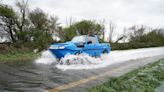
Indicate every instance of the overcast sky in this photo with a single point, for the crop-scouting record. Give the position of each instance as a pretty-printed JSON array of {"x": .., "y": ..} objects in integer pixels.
[{"x": 124, "y": 13}]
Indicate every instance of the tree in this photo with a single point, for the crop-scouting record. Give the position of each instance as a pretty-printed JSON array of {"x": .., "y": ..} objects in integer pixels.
[
  {"x": 111, "y": 30},
  {"x": 28, "y": 29},
  {"x": 38, "y": 19},
  {"x": 22, "y": 21},
  {"x": 136, "y": 32},
  {"x": 7, "y": 17},
  {"x": 87, "y": 26},
  {"x": 43, "y": 26},
  {"x": 53, "y": 25},
  {"x": 122, "y": 37},
  {"x": 83, "y": 27},
  {"x": 16, "y": 23},
  {"x": 41, "y": 21}
]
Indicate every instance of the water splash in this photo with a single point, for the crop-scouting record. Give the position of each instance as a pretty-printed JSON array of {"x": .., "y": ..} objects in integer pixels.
[
  {"x": 84, "y": 61},
  {"x": 108, "y": 59},
  {"x": 46, "y": 58}
]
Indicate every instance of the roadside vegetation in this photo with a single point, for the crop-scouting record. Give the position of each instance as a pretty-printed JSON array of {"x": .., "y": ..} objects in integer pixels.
[
  {"x": 145, "y": 79},
  {"x": 140, "y": 38},
  {"x": 18, "y": 56},
  {"x": 35, "y": 30},
  {"x": 11, "y": 53}
]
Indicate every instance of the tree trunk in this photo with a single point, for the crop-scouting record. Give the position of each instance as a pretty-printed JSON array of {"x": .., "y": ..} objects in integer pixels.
[{"x": 11, "y": 34}]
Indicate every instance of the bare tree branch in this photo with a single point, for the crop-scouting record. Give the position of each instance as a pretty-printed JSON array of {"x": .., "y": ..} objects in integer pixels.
[{"x": 111, "y": 30}]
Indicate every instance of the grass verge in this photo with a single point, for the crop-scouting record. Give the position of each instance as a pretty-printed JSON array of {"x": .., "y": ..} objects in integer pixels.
[
  {"x": 18, "y": 56},
  {"x": 145, "y": 79}
]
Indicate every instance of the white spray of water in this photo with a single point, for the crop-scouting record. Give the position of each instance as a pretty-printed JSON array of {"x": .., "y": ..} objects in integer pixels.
[
  {"x": 46, "y": 58},
  {"x": 83, "y": 61},
  {"x": 114, "y": 57}
]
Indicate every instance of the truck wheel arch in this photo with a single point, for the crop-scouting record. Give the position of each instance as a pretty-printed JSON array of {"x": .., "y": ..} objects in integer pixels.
[{"x": 105, "y": 51}]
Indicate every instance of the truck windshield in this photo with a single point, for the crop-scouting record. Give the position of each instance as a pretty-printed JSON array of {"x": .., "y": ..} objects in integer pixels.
[{"x": 79, "y": 39}]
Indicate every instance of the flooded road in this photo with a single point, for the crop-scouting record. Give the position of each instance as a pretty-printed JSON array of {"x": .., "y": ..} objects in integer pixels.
[
  {"x": 31, "y": 76},
  {"x": 27, "y": 76}
]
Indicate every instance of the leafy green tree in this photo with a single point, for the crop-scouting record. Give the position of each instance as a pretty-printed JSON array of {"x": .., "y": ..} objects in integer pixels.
[
  {"x": 22, "y": 22},
  {"x": 8, "y": 17},
  {"x": 40, "y": 40},
  {"x": 43, "y": 27},
  {"x": 136, "y": 33},
  {"x": 41, "y": 21},
  {"x": 27, "y": 28},
  {"x": 38, "y": 19},
  {"x": 69, "y": 32},
  {"x": 83, "y": 27},
  {"x": 155, "y": 37},
  {"x": 86, "y": 26},
  {"x": 15, "y": 23}
]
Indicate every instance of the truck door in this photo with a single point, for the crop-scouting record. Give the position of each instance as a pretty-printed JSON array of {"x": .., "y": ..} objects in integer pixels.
[{"x": 91, "y": 46}]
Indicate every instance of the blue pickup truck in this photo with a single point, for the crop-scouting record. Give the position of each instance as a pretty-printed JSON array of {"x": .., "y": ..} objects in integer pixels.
[{"x": 80, "y": 44}]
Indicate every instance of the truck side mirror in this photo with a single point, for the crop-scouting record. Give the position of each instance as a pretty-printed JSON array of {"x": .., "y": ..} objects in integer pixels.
[{"x": 89, "y": 42}]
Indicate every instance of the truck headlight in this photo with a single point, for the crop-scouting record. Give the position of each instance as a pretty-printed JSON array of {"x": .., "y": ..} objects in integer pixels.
[
  {"x": 61, "y": 47},
  {"x": 56, "y": 47},
  {"x": 53, "y": 47}
]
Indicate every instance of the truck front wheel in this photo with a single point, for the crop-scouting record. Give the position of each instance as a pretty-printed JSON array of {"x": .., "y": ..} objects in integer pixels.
[{"x": 105, "y": 51}]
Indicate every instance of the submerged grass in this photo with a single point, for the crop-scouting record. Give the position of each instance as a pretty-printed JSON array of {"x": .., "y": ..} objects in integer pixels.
[
  {"x": 145, "y": 79},
  {"x": 18, "y": 56}
]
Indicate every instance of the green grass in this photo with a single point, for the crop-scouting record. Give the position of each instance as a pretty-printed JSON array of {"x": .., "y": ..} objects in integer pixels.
[
  {"x": 145, "y": 79},
  {"x": 18, "y": 56}
]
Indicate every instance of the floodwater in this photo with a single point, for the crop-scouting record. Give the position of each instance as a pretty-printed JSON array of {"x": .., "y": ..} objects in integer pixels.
[{"x": 46, "y": 72}]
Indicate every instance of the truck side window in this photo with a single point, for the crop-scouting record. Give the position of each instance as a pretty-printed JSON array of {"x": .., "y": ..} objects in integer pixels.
[{"x": 92, "y": 40}]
